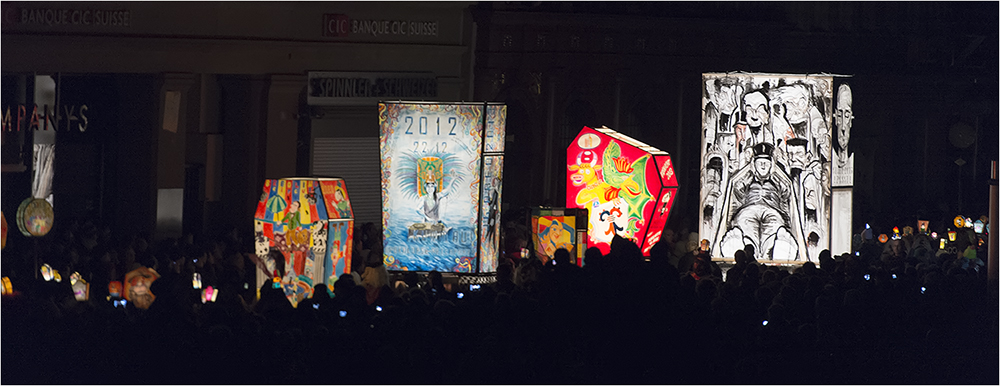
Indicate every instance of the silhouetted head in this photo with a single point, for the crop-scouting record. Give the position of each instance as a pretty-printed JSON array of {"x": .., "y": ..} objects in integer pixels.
[
  {"x": 592, "y": 255},
  {"x": 434, "y": 278},
  {"x": 740, "y": 256},
  {"x": 561, "y": 257},
  {"x": 320, "y": 291}
]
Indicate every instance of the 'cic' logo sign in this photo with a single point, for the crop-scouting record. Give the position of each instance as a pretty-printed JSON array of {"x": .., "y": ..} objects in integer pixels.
[{"x": 336, "y": 25}]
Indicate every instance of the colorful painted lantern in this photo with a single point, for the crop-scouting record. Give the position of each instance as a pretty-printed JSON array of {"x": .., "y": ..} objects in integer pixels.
[
  {"x": 627, "y": 186},
  {"x": 34, "y": 217},
  {"x": 883, "y": 238},
  {"x": 47, "y": 272},
  {"x": 923, "y": 225},
  {"x": 81, "y": 289},
  {"x": 137, "y": 283},
  {"x": 115, "y": 289},
  {"x": 310, "y": 221},
  {"x": 559, "y": 228},
  {"x": 978, "y": 226},
  {"x": 952, "y": 235},
  {"x": 8, "y": 289},
  {"x": 959, "y": 221},
  {"x": 442, "y": 178},
  {"x": 209, "y": 294}
]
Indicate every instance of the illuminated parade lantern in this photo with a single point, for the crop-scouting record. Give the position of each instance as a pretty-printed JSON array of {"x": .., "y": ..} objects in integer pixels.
[
  {"x": 627, "y": 187},
  {"x": 952, "y": 235},
  {"x": 442, "y": 175},
  {"x": 959, "y": 221},
  {"x": 34, "y": 217},
  {"x": 115, "y": 289},
  {"x": 311, "y": 223},
  {"x": 81, "y": 289},
  {"x": 137, "y": 287},
  {"x": 8, "y": 289},
  {"x": 559, "y": 228},
  {"x": 767, "y": 165}
]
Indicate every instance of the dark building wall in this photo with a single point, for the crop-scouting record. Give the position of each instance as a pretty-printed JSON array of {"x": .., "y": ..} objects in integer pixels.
[
  {"x": 241, "y": 71},
  {"x": 917, "y": 69}
]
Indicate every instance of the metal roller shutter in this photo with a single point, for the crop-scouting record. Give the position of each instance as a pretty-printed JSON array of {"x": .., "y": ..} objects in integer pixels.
[{"x": 356, "y": 160}]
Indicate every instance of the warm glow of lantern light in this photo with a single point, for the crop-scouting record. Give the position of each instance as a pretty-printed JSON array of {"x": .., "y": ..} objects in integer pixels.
[
  {"x": 8, "y": 289},
  {"x": 209, "y": 294},
  {"x": 968, "y": 222},
  {"x": 951, "y": 235},
  {"x": 942, "y": 244},
  {"x": 978, "y": 226},
  {"x": 627, "y": 187},
  {"x": 959, "y": 221},
  {"x": 196, "y": 280},
  {"x": 883, "y": 238},
  {"x": 934, "y": 235},
  {"x": 47, "y": 274},
  {"x": 895, "y": 230}
]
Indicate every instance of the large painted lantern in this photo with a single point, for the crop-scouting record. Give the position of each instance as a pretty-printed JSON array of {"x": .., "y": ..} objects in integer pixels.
[
  {"x": 766, "y": 165},
  {"x": 442, "y": 174},
  {"x": 626, "y": 186},
  {"x": 310, "y": 222},
  {"x": 559, "y": 228}
]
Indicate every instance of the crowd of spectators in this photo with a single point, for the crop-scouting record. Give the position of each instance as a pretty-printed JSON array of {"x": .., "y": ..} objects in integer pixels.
[{"x": 883, "y": 316}]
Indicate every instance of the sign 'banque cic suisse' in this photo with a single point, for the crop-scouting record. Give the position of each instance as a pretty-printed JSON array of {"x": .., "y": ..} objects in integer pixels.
[{"x": 341, "y": 25}]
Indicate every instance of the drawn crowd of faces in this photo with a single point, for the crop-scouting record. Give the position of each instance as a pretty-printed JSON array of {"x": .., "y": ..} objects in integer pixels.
[{"x": 740, "y": 111}]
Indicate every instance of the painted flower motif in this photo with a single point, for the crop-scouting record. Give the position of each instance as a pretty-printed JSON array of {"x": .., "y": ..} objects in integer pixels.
[{"x": 622, "y": 165}]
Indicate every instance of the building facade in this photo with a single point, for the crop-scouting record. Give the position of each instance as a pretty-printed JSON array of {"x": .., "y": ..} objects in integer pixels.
[
  {"x": 189, "y": 107},
  {"x": 916, "y": 69}
]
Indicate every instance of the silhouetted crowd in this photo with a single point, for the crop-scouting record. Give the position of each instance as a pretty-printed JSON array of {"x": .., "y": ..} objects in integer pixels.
[{"x": 884, "y": 316}]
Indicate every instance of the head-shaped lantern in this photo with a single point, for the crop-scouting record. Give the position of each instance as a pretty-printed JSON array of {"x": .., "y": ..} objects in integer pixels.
[
  {"x": 310, "y": 221},
  {"x": 137, "y": 287},
  {"x": 627, "y": 186}
]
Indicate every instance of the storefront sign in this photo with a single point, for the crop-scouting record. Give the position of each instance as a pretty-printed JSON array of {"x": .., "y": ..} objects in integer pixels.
[
  {"x": 329, "y": 88},
  {"x": 60, "y": 17},
  {"x": 45, "y": 118},
  {"x": 341, "y": 25}
]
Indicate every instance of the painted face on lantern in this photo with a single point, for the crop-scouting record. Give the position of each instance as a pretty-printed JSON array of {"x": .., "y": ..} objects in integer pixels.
[
  {"x": 755, "y": 106},
  {"x": 762, "y": 166},
  {"x": 844, "y": 115}
]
